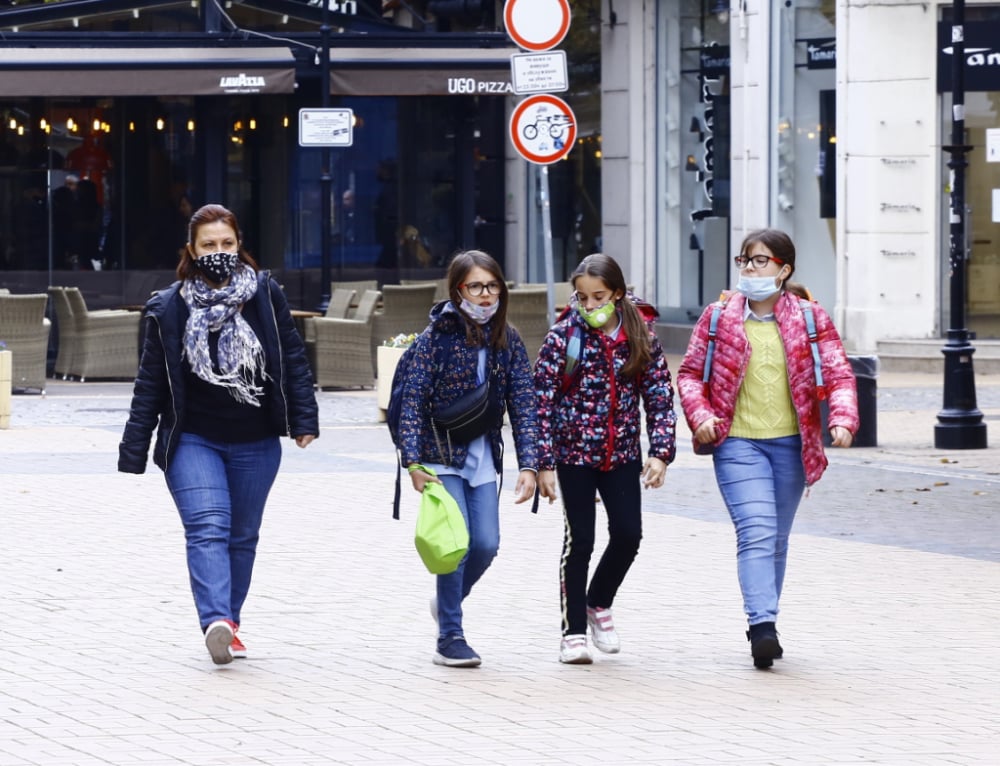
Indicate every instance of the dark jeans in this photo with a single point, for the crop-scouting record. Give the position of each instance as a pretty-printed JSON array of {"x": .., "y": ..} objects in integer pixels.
[{"x": 620, "y": 493}]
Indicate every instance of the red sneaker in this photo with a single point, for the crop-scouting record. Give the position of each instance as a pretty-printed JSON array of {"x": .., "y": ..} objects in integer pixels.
[{"x": 237, "y": 649}]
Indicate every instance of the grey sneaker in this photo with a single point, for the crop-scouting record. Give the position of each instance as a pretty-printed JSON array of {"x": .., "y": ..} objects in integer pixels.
[
  {"x": 218, "y": 637},
  {"x": 455, "y": 653}
]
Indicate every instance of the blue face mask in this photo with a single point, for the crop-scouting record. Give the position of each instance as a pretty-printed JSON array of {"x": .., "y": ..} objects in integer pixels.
[
  {"x": 757, "y": 288},
  {"x": 599, "y": 316},
  {"x": 477, "y": 313}
]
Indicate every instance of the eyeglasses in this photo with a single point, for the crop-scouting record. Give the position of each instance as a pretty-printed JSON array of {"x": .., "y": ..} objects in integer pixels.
[
  {"x": 476, "y": 289},
  {"x": 759, "y": 261}
]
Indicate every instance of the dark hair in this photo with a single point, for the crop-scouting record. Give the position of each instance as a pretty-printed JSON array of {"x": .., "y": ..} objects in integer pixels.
[
  {"x": 783, "y": 248},
  {"x": 605, "y": 268},
  {"x": 204, "y": 215},
  {"x": 461, "y": 264}
]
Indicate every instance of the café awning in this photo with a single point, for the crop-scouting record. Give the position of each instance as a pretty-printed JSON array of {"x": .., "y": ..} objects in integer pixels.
[
  {"x": 145, "y": 71},
  {"x": 420, "y": 71}
]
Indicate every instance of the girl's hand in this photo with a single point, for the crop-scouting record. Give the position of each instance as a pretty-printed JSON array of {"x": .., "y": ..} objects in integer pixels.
[
  {"x": 653, "y": 472},
  {"x": 841, "y": 437},
  {"x": 418, "y": 478},
  {"x": 525, "y": 488},
  {"x": 304, "y": 440},
  {"x": 547, "y": 485},
  {"x": 706, "y": 433}
]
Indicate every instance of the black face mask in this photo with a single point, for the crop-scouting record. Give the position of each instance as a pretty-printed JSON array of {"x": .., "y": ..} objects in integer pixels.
[{"x": 217, "y": 267}]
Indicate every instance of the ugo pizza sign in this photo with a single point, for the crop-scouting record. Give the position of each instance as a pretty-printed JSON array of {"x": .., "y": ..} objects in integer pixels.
[{"x": 543, "y": 129}]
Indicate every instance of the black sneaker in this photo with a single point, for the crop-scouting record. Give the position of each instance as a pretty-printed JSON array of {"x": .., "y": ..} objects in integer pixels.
[{"x": 455, "y": 653}]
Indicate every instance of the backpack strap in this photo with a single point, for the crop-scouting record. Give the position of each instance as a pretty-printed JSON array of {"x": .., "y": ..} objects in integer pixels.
[
  {"x": 713, "y": 326},
  {"x": 810, "y": 318}
]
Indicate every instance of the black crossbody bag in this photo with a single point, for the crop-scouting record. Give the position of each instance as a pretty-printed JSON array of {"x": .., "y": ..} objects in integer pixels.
[{"x": 472, "y": 414}]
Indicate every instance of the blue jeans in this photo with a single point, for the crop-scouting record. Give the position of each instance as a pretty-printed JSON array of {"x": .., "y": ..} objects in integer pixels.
[
  {"x": 761, "y": 481},
  {"x": 481, "y": 509},
  {"x": 220, "y": 489}
]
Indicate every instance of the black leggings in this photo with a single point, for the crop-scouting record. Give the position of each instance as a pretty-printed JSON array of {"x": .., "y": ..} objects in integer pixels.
[{"x": 621, "y": 495}]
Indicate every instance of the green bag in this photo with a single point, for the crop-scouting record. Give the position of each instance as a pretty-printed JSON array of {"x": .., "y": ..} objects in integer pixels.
[{"x": 442, "y": 538}]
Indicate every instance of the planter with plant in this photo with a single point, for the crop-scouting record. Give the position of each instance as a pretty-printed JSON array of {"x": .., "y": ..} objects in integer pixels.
[{"x": 386, "y": 358}]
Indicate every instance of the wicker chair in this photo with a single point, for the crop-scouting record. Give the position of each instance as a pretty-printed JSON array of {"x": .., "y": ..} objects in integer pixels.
[
  {"x": 340, "y": 352},
  {"x": 358, "y": 286},
  {"x": 25, "y": 331},
  {"x": 65, "y": 332},
  {"x": 338, "y": 307},
  {"x": 528, "y": 311},
  {"x": 106, "y": 342},
  {"x": 440, "y": 286},
  {"x": 405, "y": 309}
]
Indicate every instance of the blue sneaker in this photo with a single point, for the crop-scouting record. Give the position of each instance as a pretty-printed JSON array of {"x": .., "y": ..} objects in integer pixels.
[{"x": 455, "y": 653}]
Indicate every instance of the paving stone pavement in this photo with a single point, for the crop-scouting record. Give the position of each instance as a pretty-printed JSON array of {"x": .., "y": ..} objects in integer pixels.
[{"x": 890, "y": 616}]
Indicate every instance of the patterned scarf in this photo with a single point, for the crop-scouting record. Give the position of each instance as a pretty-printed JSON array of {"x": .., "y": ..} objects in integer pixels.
[{"x": 241, "y": 357}]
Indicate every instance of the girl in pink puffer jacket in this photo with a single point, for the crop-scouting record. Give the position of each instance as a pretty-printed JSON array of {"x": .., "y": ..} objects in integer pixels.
[{"x": 759, "y": 414}]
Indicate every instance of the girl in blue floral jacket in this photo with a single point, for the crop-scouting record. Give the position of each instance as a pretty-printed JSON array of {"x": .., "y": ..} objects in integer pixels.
[
  {"x": 468, "y": 338},
  {"x": 597, "y": 363}
]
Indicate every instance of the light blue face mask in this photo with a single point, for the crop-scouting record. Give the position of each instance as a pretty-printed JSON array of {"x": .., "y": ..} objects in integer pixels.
[
  {"x": 599, "y": 316},
  {"x": 758, "y": 288},
  {"x": 477, "y": 313}
]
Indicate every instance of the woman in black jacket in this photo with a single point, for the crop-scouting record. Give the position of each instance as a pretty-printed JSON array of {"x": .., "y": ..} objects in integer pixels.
[{"x": 223, "y": 375}]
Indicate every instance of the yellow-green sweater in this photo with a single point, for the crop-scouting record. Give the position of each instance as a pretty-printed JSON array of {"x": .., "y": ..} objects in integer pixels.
[{"x": 764, "y": 408}]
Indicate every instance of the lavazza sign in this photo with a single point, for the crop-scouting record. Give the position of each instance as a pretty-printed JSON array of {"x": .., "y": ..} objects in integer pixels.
[
  {"x": 242, "y": 83},
  {"x": 472, "y": 85}
]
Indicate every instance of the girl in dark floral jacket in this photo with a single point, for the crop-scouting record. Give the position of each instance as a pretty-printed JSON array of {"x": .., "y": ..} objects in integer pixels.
[
  {"x": 589, "y": 425},
  {"x": 467, "y": 340}
]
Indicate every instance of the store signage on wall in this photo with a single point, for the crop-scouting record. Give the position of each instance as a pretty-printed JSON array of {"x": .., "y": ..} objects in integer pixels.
[
  {"x": 821, "y": 52},
  {"x": 982, "y": 56},
  {"x": 326, "y": 127},
  {"x": 714, "y": 61},
  {"x": 543, "y": 129},
  {"x": 242, "y": 83},
  {"x": 346, "y": 7}
]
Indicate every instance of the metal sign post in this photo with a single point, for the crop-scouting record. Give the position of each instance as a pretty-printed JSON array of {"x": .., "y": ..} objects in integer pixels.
[{"x": 542, "y": 127}]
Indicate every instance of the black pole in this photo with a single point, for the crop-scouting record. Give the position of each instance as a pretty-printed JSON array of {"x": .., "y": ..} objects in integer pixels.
[
  {"x": 960, "y": 423},
  {"x": 324, "y": 177}
]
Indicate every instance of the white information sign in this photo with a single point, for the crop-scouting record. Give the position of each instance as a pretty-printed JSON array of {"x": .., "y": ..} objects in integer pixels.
[
  {"x": 992, "y": 144},
  {"x": 326, "y": 127},
  {"x": 539, "y": 72}
]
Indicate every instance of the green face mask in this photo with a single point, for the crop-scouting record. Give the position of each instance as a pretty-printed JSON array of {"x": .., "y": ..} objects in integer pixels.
[{"x": 599, "y": 316}]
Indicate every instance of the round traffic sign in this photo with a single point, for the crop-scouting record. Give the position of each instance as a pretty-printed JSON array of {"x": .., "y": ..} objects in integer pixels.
[
  {"x": 537, "y": 25},
  {"x": 543, "y": 129}
]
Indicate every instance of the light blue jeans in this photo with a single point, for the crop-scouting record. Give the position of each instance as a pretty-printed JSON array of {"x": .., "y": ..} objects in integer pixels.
[
  {"x": 481, "y": 509},
  {"x": 761, "y": 481},
  {"x": 220, "y": 489}
]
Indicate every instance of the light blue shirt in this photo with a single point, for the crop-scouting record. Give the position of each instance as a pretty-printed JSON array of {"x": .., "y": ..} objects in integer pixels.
[{"x": 478, "y": 468}]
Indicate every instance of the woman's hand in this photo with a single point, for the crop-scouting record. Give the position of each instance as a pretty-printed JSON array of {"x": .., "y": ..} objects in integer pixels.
[
  {"x": 525, "y": 489},
  {"x": 547, "y": 485},
  {"x": 653, "y": 472},
  {"x": 304, "y": 440},
  {"x": 706, "y": 432},
  {"x": 841, "y": 437},
  {"x": 419, "y": 478}
]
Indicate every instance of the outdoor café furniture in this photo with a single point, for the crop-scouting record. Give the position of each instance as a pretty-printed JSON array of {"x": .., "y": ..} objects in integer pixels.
[{"x": 24, "y": 331}]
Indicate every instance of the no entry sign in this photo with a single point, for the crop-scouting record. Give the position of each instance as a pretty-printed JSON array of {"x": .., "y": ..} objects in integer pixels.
[
  {"x": 543, "y": 129},
  {"x": 537, "y": 25}
]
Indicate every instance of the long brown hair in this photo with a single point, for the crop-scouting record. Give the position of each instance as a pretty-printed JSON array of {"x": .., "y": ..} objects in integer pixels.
[
  {"x": 461, "y": 264},
  {"x": 783, "y": 248},
  {"x": 606, "y": 269},
  {"x": 203, "y": 215}
]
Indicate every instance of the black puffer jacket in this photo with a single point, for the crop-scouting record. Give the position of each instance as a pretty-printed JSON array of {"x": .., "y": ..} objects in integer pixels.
[{"x": 158, "y": 398}]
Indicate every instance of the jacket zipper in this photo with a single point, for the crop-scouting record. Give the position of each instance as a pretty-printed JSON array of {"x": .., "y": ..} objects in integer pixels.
[{"x": 609, "y": 354}]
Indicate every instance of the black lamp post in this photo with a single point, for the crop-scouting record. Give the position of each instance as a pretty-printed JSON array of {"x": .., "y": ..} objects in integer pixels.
[
  {"x": 960, "y": 423},
  {"x": 325, "y": 179}
]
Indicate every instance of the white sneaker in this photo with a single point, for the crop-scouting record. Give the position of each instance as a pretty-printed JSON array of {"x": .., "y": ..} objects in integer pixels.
[
  {"x": 573, "y": 650},
  {"x": 602, "y": 630},
  {"x": 218, "y": 637}
]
